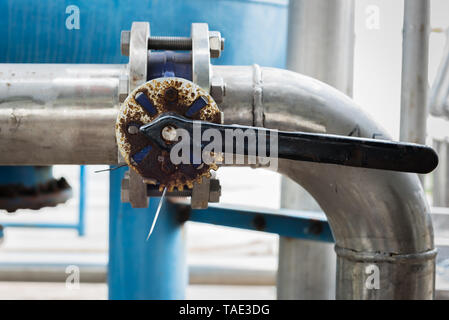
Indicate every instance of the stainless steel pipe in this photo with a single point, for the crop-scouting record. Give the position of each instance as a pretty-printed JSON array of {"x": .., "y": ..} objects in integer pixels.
[
  {"x": 58, "y": 114},
  {"x": 377, "y": 217},
  {"x": 306, "y": 269},
  {"x": 415, "y": 61}
]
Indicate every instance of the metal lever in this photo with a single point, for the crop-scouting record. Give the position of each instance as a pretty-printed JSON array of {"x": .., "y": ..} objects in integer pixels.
[{"x": 312, "y": 147}]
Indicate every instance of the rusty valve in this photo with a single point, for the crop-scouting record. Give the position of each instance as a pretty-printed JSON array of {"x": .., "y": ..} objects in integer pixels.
[{"x": 160, "y": 96}]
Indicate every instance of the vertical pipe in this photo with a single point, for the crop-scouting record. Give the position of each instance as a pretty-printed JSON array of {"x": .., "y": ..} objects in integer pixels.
[
  {"x": 441, "y": 174},
  {"x": 82, "y": 203},
  {"x": 139, "y": 269},
  {"x": 415, "y": 59},
  {"x": 324, "y": 51}
]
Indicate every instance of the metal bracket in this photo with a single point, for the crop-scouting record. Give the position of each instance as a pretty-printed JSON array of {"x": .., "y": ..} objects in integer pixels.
[
  {"x": 138, "y": 43},
  {"x": 201, "y": 55}
]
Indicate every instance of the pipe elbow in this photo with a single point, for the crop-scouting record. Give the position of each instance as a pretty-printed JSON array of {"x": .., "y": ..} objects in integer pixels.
[{"x": 369, "y": 210}]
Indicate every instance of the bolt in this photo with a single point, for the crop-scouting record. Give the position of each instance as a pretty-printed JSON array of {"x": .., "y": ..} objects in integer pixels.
[
  {"x": 259, "y": 222},
  {"x": 125, "y": 38},
  {"x": 216, "y": 43},
  {"x": 171, "y": 94},
  {"x": 169, "y": 43},
  {"x": 133, "y": 129},
  {"x": 169, "y": 133},
  {"x": 315, "y": 227}
]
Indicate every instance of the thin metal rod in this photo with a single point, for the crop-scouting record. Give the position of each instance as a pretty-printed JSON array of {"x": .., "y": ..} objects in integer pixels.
[
  {"x": 169, "y": 43},
  {"x": 159, "y": 206}
]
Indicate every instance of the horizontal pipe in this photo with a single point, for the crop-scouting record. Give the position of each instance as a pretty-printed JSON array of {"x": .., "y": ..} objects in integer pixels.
[
  {"x": 58, "y": 114},
  {"x": 32, "y": 136},
  {"x": 39, "y": 225},
  {"x": 96, "y": 273},
  {"x": 41, "y": 86}
]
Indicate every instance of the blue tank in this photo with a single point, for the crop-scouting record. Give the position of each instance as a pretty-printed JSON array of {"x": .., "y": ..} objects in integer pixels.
[
  {"x": 47, "y": 32},
  {"x": 38, "y": 31}
]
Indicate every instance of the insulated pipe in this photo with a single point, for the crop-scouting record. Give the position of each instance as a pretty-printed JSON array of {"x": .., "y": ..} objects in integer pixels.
[
  {"x": 380, "y": 219},
  {"x": 377, "y": 217}
]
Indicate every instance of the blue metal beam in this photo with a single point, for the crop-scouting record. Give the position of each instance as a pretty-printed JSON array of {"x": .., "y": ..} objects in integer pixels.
[
  {"x": 307, "y": 225},
  {"x": 39, "y": 225}
]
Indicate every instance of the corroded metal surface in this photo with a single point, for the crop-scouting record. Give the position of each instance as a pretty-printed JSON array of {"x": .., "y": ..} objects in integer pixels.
[{"x": 142, "y": 106}]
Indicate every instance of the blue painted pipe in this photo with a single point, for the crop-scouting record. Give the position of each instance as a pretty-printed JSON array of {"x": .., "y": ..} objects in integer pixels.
[{"x": 139, "y": 269}]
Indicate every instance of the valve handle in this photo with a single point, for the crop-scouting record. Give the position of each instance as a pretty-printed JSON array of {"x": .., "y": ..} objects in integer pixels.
[{"x": 302, "y": 146}]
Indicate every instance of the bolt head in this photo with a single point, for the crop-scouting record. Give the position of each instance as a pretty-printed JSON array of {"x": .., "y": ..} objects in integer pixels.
[
  {"x": 132, "y": 129},
  {"x": 125, "y": 38},
  {"x": 169, "y": 133},
  {"x": 171, "y": 94}
]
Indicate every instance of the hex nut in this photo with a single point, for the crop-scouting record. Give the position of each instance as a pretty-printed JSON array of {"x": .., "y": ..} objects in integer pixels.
[
  {"x": 215, "y": 191},
  {"x": 123, "y": 86},
  {"x": 125, "y": 38},
  {"x": 215, "y": 44},
  {"x": 217, "y": 89}
]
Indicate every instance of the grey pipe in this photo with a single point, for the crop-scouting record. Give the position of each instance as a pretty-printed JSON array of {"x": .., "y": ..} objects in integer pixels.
[
  {"x": 439, "y": 93},
  {"x": 307, "y": 268},
  {"x": 58, "y": 114},
  {"x": 415, "y": 60},
  {"x": 376, "y": 216}
]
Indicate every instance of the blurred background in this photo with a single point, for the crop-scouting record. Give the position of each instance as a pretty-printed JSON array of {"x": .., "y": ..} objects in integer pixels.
[{"x": 34, "y": 260}]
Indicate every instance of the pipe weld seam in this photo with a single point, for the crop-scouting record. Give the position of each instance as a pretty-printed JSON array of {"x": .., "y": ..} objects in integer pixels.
[{"x": 379, "y": 256}]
